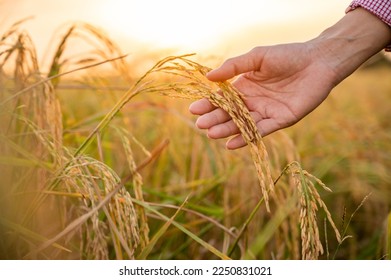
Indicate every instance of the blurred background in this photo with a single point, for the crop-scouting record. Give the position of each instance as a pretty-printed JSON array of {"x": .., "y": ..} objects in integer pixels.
[
  {"x": 218, "y": 27},
  {"x": 71, "y": 130}
]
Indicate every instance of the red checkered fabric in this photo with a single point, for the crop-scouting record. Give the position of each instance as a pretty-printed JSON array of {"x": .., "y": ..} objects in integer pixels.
[{"x": 380, "y": 8}]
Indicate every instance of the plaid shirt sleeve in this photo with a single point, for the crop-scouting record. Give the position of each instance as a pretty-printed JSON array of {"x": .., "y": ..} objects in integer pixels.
[{"x": 380, "y": 8}]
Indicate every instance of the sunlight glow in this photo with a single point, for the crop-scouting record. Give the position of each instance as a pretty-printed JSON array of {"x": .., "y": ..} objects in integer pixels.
[
  {"x": 176, "y": 22},
  {"x": 199, "y": 24},
  {"x": 188, "y": 25}
]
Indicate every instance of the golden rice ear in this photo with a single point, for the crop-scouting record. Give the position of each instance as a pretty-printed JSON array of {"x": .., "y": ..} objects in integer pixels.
[
  {"x": 102, "y": 48},
  {"x": 310, "y": 201},
  {"x": 194, "y": 84}
]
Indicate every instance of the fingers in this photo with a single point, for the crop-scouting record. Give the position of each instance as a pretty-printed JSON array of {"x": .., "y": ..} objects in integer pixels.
[
  {"x": 209, "y": 115},
  {"x": 237, "y": 65},
  {"x": 201, "y": 107},
  {"x": 223, "y": 130},
  {"x": 236, "y": 143},
  {"x": 214, "y": 118},
  {"x": 265, "y": 127},
  {"x": 220, "y": 125}
]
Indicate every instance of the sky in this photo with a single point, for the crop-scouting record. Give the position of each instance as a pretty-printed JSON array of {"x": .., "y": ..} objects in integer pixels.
[{"x": 222, "y": 27}]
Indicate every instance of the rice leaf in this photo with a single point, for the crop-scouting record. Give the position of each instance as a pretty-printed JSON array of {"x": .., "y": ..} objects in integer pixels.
[
  {"x": 184, "y": 230},
  {"x": 149, "y": 247}
]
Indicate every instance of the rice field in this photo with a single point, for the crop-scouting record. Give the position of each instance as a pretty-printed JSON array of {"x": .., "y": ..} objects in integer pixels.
[{"x": 100, "y": 161}]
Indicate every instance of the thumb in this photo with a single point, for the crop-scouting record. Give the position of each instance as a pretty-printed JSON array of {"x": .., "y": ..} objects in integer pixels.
[{"x": 232, "y": 67}]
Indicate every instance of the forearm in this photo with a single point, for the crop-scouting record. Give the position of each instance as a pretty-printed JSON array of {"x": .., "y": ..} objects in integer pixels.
[{"x": 351, "y": 41}]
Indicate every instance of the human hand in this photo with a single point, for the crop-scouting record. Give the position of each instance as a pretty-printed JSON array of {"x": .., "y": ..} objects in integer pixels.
[{"x": 280, "y": 84}]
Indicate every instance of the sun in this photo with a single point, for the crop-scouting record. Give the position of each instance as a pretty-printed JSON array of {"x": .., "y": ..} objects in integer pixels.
[{"x": 169, "y": 23}]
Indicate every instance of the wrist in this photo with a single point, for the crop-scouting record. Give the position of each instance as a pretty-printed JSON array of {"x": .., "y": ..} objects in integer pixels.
[{"x": 350, "y": 42}]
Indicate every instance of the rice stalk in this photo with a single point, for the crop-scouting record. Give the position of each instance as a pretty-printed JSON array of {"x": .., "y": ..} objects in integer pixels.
[
  {"x": 98, "y": 180},
  {"x": 289, "y": 235},
  {"x": 269, "y": 230},
  {"x": 18, "y": 56},
  {"x": 46, "y": 80},
  {"x": 117, "y": 220},
  {"x": 37, "y": 120},
  {"x": 326, "y": 241},
  {"x": 31, "y": 130},
  {"x": 74, "y": 224},
  {"x": 310, "y": 201},
  {"x": 344, "y": 235},
  {"x": 13, "y": 29},
  {"x": 136, "y": 183},
  {"x": 244, "y": 226},
  {"x": 102, "y": 49},
  {"x": 388, "y": 237}
]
